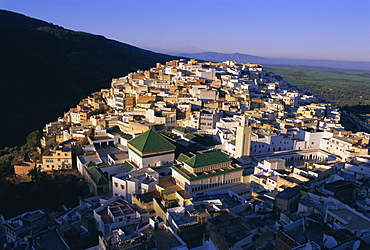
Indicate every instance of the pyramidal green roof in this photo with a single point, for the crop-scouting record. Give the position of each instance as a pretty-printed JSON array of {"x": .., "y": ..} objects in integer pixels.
[
  {"x": 97, "y": 176},
  {"x": 150, "y": 141},
  {"x": 182, "y": 130},
  {"x": 206, "y": 159}
]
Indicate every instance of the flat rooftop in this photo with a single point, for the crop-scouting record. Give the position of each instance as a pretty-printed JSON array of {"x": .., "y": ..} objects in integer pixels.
[
  {"x": 355, "y": 221},
  {"x": 149, "y": 196},
  {"x": 164, "y": 238},
  {"x": 167, "y": 183},
  {"x": 230, "y": 228},
  {"x": 274, "y": 160},
  {"x": 311, "y": 231},
  {"x": 225, "y": 198}
]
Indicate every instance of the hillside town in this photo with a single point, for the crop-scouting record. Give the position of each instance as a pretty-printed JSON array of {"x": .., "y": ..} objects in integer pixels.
[{"x": 202, "y": 155}]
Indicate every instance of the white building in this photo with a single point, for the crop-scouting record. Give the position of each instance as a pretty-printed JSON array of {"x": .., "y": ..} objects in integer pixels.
[
  {"x": 360, "y": 167},
  {"x": 117, "y": 213},
  {"x": 134, "y": 182},
  {"x": 269, "y": 142}
]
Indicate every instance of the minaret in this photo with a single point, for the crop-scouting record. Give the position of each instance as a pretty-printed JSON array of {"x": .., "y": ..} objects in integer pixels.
[{"x": 243, "y": 138}]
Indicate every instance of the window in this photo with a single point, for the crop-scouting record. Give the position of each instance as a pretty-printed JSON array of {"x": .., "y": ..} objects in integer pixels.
[
  {"x": 122, "y": 186},
  {"x": 116, "y": 184}
]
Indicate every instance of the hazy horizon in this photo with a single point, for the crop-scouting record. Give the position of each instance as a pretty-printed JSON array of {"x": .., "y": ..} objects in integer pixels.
[{"x": 318, "y": 30}]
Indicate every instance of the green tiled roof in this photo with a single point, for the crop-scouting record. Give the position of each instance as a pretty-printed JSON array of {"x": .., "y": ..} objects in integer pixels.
[
  {"x": 190, "y": 136},
  {"x": 192, "y": 178},
  {"x": 150, "y": 141},
  {"x": 90, "y": 164},
  {"x": 206, "y": 159},
  {"x": 97, "y": 176},
  {"x": 182, "y": 157},
  {"x": 127, "y": 166},
  {"x": 182, "y": 130}
]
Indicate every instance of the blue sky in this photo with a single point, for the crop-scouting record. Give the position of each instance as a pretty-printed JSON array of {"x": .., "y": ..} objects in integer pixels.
[{"x": 304, "y": 29}]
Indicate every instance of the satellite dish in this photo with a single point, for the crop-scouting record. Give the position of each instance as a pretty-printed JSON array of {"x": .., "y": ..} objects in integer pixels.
[
  {"x": 329, "y": 241},
  {"x": 308, "y": 246},
  {"x": 356, "y": 245}
]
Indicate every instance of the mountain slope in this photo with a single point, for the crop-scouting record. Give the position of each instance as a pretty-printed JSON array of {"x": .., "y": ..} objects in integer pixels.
[
  {"x": 46, "y": 69},
  {"x": 219, "y": 57},
  {"x": 244, "y": 58}
]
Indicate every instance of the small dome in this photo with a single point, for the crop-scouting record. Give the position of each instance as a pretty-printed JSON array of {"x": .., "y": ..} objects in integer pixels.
[{"x": 99, "y": 128}]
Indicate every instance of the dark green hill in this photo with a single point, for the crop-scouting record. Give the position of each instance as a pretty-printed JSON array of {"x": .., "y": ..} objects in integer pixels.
[{"x": 46, "y": 69}]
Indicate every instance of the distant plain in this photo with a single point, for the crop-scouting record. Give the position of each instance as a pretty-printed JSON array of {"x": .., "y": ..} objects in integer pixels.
[{"x": 345, "y": 87}]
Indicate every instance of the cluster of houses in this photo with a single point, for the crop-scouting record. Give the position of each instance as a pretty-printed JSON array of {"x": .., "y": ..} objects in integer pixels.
[{"x": 201, "y": 155}]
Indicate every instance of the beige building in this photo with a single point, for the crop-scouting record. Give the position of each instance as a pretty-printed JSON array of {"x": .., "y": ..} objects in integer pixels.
[
  {"x": 314, "y": 171},
  {"x": 59, "y": 158},
  {"x": 343, "y": 147},
  {"x": 243, "y": 139}
]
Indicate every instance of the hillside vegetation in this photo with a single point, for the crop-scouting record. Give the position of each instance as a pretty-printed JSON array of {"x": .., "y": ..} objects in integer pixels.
[{"x": 46, "y": 69}]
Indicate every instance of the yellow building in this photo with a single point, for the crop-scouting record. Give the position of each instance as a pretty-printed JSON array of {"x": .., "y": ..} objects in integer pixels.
[{"x": 58, "y": 159}]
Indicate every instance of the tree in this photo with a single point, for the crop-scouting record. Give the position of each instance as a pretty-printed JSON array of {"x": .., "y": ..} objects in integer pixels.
[
  {"x": 37, "y": 175},
  {"x": 5, "y": 165},
  {"x": 33, "y": 139}
]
